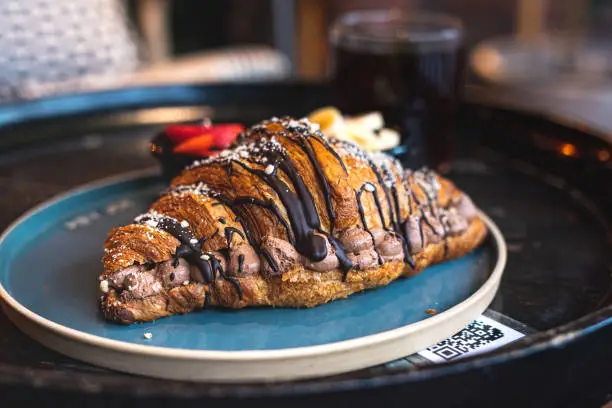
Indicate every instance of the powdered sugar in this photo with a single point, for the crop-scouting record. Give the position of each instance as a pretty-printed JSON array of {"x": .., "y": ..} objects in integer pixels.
[
  {"x": 238, "y": 152},
  {"x": 200, "y": 189},
  {"x": 104, "y": 286},
  {"x": 385, "y": 163},
  {"x": 152, "y": 218},
  {"x": 350, "y": 149},
  {"x": 428, "y": 182}
]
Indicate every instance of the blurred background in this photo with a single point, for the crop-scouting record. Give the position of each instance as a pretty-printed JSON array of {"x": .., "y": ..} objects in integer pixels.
[{"x": 56, "y": 46}]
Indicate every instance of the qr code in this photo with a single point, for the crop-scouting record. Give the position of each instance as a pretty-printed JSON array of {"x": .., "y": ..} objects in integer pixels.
[{"x": 474, "y": 336}]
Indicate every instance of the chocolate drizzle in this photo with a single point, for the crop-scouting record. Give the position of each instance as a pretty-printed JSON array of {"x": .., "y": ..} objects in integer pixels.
[
  {"x": 405, "y": 232},
  {"x": 231, "y": 279},
  {"x": 402, "y": 230},
  {"x": 345, "y": 263},
  {"x": 358, "y": 195},
  {"x": 300, "y": 207},
  {"x": 306, "y": 145},
  {"x": 167, "y": 224},
  {"x": 389, "y": 182},
  {"x": 262, "y": 155},
  {"x": 270, "y": 259},
  {"x": 229, "y": 234},
  {"x": 381, "y": 182},
  {"x": 372, "y": 188},
  {"x": 425, "y": 219},
  {"x": 298, "y": 202},
  {"x": 429, "y": 185},
  {"x": 235, "y": 204},
  {"x": 408, "y": 188},
  {"x": 189, "y": 248},
  {"x": 420, "y": 223},
  {"x": 240, "y": 217},
  {"x": 240, "y": 263}
]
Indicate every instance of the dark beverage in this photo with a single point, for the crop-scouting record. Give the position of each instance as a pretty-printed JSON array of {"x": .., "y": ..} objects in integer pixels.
[{"x": 408, "y": 67}]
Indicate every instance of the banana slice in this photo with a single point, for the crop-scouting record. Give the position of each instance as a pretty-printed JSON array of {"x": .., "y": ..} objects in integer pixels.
[
  {"x": 368, "y": 140},
  {"x": 364, "y": 137},
  {"x": 387, "y": 139},
  {"x": 366, "y": 130},
  {"x": 371, "y": 121},
  {"x": 329, "y": 119}
]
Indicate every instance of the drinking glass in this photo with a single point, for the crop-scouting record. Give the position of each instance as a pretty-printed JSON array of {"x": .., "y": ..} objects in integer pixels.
[{"x": 409, "y": 66}]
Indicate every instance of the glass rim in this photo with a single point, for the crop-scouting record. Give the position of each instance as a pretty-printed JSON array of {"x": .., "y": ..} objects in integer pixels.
[{"x": 429, "y": 30}]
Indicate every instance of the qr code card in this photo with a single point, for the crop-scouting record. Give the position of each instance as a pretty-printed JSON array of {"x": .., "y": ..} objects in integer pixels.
[{"x": 482, "y": 334}]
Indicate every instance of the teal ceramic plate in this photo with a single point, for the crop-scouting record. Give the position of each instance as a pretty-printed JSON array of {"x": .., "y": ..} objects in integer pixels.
[{"x": 50, "y": 260}]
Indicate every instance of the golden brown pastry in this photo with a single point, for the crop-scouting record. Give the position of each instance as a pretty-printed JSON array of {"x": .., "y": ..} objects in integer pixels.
[{"x": 285, "y": 218}]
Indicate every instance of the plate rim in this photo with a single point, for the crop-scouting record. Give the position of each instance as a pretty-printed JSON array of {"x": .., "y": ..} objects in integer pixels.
[{"x": 233, "y": 355}]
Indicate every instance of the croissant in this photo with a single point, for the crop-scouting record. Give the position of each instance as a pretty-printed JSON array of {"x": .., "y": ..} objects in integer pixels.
[{"x": 288, "y": 218}]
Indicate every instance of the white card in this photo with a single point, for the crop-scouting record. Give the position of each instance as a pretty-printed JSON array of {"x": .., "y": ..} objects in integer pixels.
[{"x": 483, "y": 334}]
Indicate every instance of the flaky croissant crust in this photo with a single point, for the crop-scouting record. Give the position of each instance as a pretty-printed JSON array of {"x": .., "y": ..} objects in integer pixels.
[{"x": 286, "y": 218}]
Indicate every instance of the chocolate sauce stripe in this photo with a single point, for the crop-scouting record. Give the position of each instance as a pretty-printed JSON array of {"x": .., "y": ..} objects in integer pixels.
[
  {"x": 434, "y": 208},
  {"x": 334, "y": 153},
  {"x": 240, "y": 263},
  {"x": 345, "y": 263},
  {"x": 266, "y": 254},
  {"x": 308, "y": 212},
  {"x": 269, "y": 205},
  {"x": 358, "y": 195},
  {"x": 207, "y": 264},
  {"x": 382, "y": 184},
  {"x": 378, "y": 205},
  {"x": 408, "y": 187},
  {"x": 402, "y": 231},
  {"x": 303, "y": 193},
  {"x": 299, "y": 205},
  {"x": 306, "y": 145},
  {"x": 229, "y": 234},
  {"x": 435, "y": 199}
]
